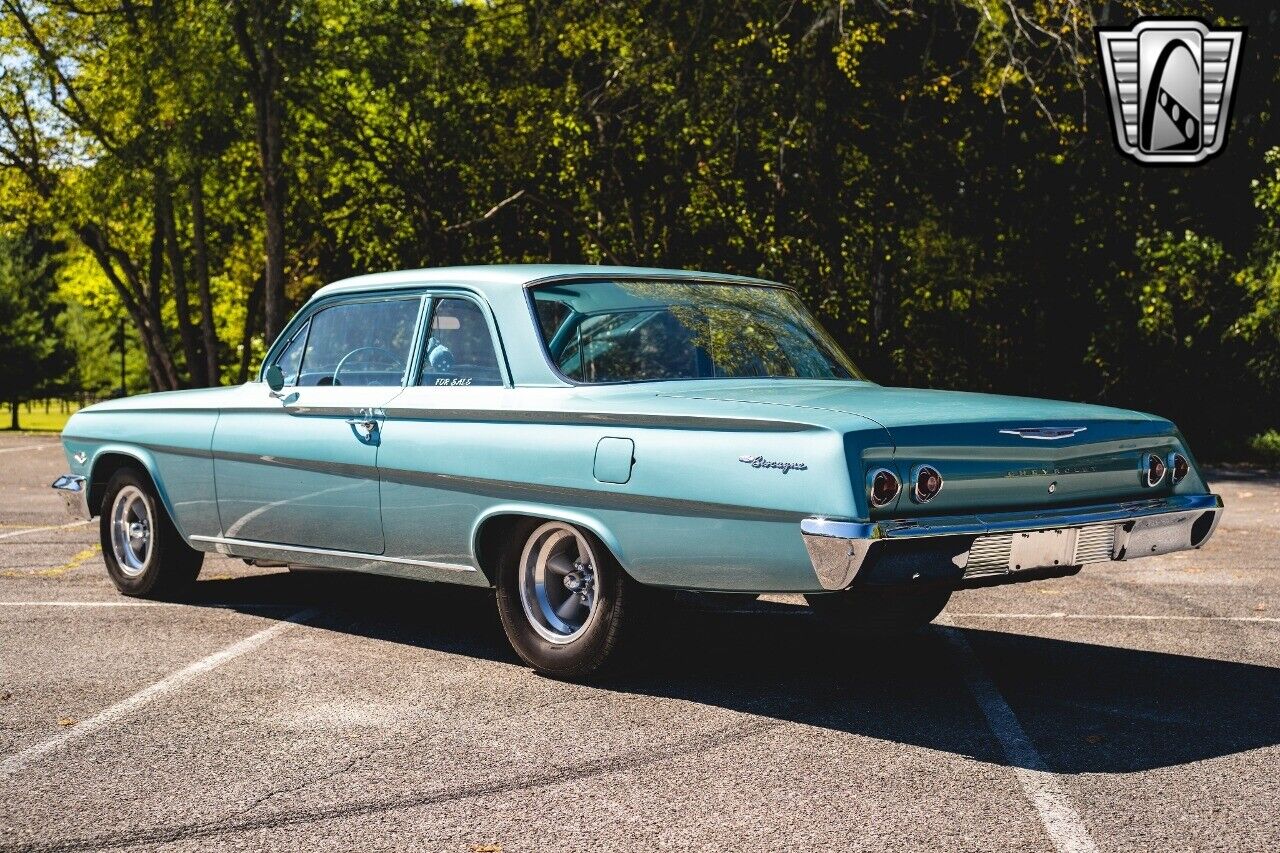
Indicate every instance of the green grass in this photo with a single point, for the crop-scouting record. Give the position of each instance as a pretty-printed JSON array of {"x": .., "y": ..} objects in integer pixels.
[{"x": 36, "y": 420}]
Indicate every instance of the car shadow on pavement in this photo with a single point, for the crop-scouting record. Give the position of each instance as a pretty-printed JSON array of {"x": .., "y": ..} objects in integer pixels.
[{"x": 1087, "y": 708}]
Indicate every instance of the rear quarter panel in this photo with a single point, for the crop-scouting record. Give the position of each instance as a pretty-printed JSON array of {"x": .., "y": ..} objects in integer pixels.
[{"x": 690, "y": 515}]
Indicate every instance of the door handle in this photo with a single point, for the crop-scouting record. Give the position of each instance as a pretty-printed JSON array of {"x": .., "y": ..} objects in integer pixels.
[{"x": 365, "y": 423}]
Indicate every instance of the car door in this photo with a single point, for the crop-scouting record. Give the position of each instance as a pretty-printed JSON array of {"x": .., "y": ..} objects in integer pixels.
[
  {"x": 440, "y": 454},
  {"x": 299, "y": 467}
]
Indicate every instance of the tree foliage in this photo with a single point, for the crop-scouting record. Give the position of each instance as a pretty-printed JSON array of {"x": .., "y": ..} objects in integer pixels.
[
  {"x": 937, "y": 178},
  {"x": 31, "y": 352}
]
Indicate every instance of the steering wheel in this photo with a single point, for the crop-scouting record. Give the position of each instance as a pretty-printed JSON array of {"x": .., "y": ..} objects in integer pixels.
[{"x": 395, "y": 359}]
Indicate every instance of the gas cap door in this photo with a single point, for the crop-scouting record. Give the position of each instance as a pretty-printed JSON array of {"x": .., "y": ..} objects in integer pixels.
[{"x": 614, "y": 458}]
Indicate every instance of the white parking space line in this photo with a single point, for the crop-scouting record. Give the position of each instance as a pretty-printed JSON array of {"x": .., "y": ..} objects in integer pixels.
[
  {"x": 92, "y": 604},
  {"x": 1136, "y": 617},
  {"x": 126, "y": 603},
  {"x": 13, "y": 763},
  {"x": 14, "y": 533},
  {"x": 1043, "y": 788},
  {"x": 25, "y": 447}
]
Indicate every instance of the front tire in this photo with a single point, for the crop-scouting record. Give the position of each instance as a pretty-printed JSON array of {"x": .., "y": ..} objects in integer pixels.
[
  {"x": 563, "y": 599},
  {"x": 870, "y": 612},
  {"x": 145, "y": 554}
]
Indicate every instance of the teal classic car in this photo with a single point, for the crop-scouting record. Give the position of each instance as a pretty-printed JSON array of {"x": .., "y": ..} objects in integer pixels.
[{"x": 584, "y": 439}]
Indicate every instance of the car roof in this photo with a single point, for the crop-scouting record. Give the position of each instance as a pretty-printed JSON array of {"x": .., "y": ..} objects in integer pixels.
[
  {"x": 495, "y": 277},
  {"x": 502, "y": 286}
]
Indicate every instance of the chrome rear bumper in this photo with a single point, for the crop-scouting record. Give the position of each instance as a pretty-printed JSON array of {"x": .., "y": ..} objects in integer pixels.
[
  {"x": 1008, "y": 543},
  {"x": 74, "y": 490}
]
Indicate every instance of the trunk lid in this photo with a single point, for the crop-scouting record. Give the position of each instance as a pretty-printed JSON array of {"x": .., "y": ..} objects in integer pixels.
[{"x": 995, "y": 453}]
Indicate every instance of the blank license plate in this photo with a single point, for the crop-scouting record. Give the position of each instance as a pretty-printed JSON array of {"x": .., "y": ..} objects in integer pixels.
[{"x": 1040, "y": 548}]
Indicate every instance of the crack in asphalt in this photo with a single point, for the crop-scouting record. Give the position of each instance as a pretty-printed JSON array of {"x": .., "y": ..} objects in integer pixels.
[
  {"x": 557, "y": 776},
  {"x": 366, "y": 754}
]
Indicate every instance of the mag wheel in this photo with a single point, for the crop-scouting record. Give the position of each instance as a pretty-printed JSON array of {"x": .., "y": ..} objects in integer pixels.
[
  {"x": 144, "y": 553},
  {"x": 878, "y": 613},
  {"x": 563, "y": 599}
]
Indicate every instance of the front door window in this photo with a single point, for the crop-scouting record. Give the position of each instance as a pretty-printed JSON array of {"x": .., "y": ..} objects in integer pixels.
[{"x": 360, "y": 343}]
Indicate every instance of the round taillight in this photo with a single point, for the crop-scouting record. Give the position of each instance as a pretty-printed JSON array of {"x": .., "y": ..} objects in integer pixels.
[
  {"x": 1155, "y": 469},
  {"x": 1179, "y": 466},
  {"x": 927, "y": 482},
  {"x": 882, "y": 487}
]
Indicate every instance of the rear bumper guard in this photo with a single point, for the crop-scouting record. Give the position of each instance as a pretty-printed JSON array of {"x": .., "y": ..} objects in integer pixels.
[{"x": 1005, "y": 544}]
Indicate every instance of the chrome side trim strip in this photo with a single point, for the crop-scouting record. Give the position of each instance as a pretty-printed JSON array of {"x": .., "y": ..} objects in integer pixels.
[
  {"x": 171, "y": 449},
  {"x": 618, "y": 419},
  {"x": 572, "y": 496},
  {"x": 320, "y": 466},
  {"x": 972, "y": 525},
  {"x": 511, "y": 490},
  {"x": 303, "y": 551},
  {"x": 612, "y": 419},
  {"x": 503, "y": 489}
]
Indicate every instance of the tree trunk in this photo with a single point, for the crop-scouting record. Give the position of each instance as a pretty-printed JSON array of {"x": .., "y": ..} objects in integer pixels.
[
  {"x": 155, "y": 258},
  {"x": 259, "y": 27},
  {"x": 13, "y": 416},
  {"x": 160, "y": 367},
  {"x": 127, "y": 281},
  {"x": 182, "y": 304},
  {"x": 208, "y": 333},
  {"x": 273, "y": 204},
  {"x": 250, "y": 323}
]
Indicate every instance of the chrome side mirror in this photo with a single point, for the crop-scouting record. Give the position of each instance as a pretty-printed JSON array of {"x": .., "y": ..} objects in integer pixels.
[{"x": 275, "y": 378}]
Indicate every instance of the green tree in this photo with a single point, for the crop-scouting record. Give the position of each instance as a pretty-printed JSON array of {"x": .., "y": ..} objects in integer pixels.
[
  {"x": 1259, "y": 327},
  {"x": 937, "y": 178},
  {"x": 31, "y": 351},
  {"x": 112, "y": 118}
]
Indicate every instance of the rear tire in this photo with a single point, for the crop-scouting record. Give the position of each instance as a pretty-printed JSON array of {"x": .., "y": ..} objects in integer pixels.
[
  {"x": 870, "y": 612},
  {"x": 563, "y": 599},
  {"x": 145, "y": 554}
]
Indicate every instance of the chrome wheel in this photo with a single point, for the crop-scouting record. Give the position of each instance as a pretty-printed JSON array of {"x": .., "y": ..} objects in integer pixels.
[
  {"x": 558, "y": 582},
  {"x": 132, "y": 528}
]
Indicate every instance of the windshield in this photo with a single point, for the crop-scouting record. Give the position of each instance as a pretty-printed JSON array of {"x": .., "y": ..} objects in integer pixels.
[{"x": 639, "y": 331}]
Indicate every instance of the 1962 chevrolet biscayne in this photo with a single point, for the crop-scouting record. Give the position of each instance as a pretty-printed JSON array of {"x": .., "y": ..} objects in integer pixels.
[{"x": 582, "y": 437}]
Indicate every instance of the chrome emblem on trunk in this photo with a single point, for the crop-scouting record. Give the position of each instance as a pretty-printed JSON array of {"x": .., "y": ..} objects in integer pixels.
[
  {"x": 761, "y": 462},
  {"x": 1044, "y": 433}
]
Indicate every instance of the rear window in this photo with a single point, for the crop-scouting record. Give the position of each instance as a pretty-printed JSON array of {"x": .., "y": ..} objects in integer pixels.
[{"x": 640, "y": 331}]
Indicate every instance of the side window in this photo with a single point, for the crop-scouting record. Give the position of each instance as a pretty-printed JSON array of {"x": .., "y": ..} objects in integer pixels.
[
  {"x": 360, "y": 343},
  {"x": 459, "y": 349},
  {"x": 291, "y": 359},
  {"x": 551, "y": 316}
]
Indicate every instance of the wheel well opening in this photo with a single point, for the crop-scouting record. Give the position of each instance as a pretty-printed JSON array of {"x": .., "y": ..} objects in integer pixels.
[
  {"x": 496, "y": 536},
  {"x": 104, "y": 468},
  {"x": 501, "y": 533}
]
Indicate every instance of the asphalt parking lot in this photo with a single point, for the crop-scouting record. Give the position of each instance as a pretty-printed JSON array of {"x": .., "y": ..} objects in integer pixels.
[{"x": 1133, "y": 707}]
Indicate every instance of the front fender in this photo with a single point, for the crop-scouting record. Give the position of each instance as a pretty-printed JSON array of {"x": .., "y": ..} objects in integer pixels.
[{"x": 106, "y": 459}]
